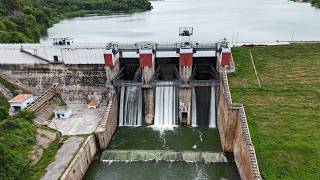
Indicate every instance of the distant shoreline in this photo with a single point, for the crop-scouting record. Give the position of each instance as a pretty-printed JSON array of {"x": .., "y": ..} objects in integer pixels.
[{"x": 27, "y": 21}]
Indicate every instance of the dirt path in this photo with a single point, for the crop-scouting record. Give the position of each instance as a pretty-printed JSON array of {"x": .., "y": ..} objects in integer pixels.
[{"x": 43, "y": 140}]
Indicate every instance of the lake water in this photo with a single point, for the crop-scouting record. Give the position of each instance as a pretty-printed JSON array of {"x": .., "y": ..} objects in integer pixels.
[{"x": 237, "y": 20}]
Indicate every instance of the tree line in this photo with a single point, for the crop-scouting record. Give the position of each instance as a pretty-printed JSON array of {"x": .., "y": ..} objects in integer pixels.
[
  {"x": 25, "y": 21},
  {"x": 315, "y": 3}
]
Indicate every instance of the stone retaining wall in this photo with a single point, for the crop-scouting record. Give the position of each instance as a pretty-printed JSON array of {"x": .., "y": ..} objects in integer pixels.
[
  {"x": 108, "y": 124},
  {"x": 81, "y": 161},
  {"x": 76, "y": 81},
  {"x": 234, "y": 133}
]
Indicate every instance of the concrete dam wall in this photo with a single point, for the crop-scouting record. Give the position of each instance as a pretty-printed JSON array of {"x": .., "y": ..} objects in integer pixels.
[
  {"x": 234, "y": 133},
  {"x": 76, "y": 82},
  {"x": 142, "y": 87}
]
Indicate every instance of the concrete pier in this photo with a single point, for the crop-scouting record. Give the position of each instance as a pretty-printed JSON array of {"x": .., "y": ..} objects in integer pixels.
[
  {"x": 148, "y": 96},
  {"x": 147, "y": 62},
  {"x": 185, "y": 106}
]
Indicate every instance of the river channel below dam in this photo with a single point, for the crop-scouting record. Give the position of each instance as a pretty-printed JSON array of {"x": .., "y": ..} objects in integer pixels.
[{"x": 186, "y": 153}]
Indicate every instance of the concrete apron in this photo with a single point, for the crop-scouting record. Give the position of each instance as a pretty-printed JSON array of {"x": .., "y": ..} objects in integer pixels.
[{"x": 161, "y": 155}]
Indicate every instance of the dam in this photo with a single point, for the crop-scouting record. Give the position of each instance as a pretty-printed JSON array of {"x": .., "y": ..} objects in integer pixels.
[{"x": 168, "y": 105}]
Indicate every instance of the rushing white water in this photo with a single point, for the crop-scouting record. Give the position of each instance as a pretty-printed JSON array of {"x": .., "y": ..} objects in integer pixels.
[
  {"x": 194, "y": 108},
  {"x": 212, "y": 108},
  {"x": 130, "y": 113},
  {"x": 165, "y": 105},
  {"x": 212, "y": 118}
]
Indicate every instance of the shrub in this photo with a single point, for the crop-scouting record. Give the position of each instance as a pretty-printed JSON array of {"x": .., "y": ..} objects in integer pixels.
[
  {"x": 9, "y": 124},
  {"x": 4, "y": 114},
  {"x": 27, "y": 115}
]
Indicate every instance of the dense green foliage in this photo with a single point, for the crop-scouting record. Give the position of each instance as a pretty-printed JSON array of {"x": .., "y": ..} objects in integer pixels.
[
  {"x": 4, "y": 114},
  {"x": 315, "y": 3},
  {"x": 283, "y": 115},
  {"x": 17, "y": 136},
  {"x": 26, "y": 20}
]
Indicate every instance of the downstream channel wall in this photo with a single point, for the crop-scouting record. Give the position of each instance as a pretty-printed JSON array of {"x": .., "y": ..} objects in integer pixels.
[
  {"x": 108, "y": 124},
  {"x": 234, "y": 133},
  {"x": 81, "y": 161}
]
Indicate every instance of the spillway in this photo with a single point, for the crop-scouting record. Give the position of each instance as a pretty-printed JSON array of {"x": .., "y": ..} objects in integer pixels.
[
  {"x": 130, "y": 112},
  {"x": 165, "y": 105},
  {"x": 212, "y": 117},
  {"x": 194, "y": 108},
  {"x": 203, "y": 106}
]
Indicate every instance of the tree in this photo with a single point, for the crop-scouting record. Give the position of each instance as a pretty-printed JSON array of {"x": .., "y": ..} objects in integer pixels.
[
  {"x": 26, "y": 114},
  {"x": 12, "y": 4},
  {"x": 4, "y": 114}
]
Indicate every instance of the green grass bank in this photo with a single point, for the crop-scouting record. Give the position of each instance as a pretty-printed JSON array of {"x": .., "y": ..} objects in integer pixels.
[{"x": 283, "y": 115}]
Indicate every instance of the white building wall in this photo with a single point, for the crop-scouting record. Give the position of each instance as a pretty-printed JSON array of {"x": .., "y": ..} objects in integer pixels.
[
  {"x": 64, "y": 114},
  {"x": 83, "y": 56},
  {"x": 22, "y": 104}
]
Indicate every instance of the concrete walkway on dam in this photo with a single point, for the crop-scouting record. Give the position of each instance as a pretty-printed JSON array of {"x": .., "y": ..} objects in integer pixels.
[{"x": 63, "y": 158}]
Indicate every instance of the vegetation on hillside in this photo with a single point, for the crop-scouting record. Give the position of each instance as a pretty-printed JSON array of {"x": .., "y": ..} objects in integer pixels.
[
  {"x": 315, "y": 3},
  {"x": 17, "y": 139},
  {"x": 283, "y": 115},
  {"x": 17, "y": 136},
  {"x": 37, "y": 171},
  {"x": 24, "y": 21}
]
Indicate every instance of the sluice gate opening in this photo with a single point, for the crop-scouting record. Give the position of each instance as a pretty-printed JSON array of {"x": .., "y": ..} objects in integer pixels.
[{"x": 168, "y": 88}]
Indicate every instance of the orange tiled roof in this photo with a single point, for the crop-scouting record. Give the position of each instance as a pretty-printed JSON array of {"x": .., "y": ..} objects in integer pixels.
[
  {"x": 92, "y": 104},
  {"x": 20, "y": 98}
]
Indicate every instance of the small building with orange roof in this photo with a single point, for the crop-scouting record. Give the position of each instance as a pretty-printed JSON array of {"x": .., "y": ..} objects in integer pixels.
[
  {"x": 93, "y": 104},
  {"x": 20, "y": 102}
]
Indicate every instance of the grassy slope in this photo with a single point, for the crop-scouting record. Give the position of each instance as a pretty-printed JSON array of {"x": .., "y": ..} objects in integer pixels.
[
  {"x": 284, "y": 114},
  {"x": 37, "y": 171},
  {"x": 17, "y": 136}
]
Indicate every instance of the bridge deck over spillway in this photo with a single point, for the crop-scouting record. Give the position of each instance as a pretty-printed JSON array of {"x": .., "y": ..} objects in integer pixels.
[{"x": 90, "y": 53}]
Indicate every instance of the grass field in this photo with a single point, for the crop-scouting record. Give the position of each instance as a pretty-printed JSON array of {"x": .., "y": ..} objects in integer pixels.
[{"x": 284, "y": 114}]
